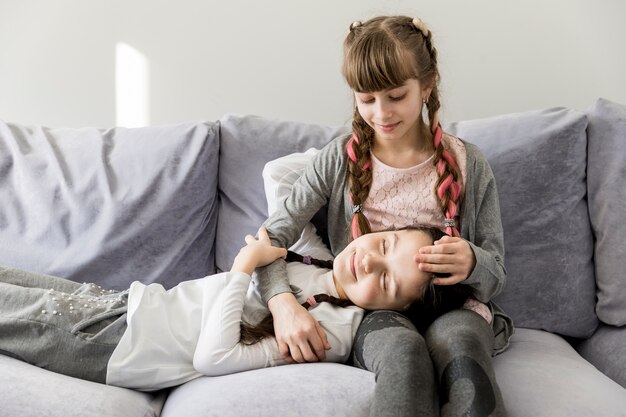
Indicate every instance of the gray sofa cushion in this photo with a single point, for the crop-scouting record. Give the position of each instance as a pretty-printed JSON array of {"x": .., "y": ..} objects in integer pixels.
[
  {"x": 606, "y": 170},
  {"x": 247, "y": 143},
  {"x": 541, "y": 375},
  {"x": 307, "y": 390},
  {"x": 606, "y": 350},
  {"x": 109, "y": 206},
  {"x": 539, "y": 161},
  {"x": 31, "y": 391}
]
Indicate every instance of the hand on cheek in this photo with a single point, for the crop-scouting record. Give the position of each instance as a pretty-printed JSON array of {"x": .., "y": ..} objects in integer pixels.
[{"x": 448, "y": 255}]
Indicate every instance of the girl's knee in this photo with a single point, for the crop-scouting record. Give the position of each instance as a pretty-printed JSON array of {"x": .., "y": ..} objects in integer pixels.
[
  {"x": 382, "y": 319},
  {"x": 386, "y": 338},
  {"x": 459, "y": 328}
]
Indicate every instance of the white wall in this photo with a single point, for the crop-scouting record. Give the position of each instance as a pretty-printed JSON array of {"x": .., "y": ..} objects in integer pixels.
[{"x": 282, "y": 58}]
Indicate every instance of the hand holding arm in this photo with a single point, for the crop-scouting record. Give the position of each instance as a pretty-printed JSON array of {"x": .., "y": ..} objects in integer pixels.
[
  {"x": 257, "y": 252},
  {"x": 300, "y": 337}
]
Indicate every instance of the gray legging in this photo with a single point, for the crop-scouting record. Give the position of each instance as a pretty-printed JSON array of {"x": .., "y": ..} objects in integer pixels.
[
  {"x": 60, "y": 325},
  {"x": 447, "y": 372}
]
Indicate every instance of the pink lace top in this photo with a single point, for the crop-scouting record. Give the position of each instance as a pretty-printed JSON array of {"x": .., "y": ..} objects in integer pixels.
[{"x": 402, "y": 197}]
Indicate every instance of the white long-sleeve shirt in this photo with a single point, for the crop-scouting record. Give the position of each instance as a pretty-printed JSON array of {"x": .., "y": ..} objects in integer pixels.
[{"x": 193, "y": 329}]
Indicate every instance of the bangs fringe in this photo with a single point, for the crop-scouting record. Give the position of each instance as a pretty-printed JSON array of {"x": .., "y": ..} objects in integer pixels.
[{"x": 377, "y": 63}]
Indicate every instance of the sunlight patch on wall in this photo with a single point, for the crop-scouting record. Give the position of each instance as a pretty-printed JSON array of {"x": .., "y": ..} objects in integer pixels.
[{"x": 132, "y": 81}]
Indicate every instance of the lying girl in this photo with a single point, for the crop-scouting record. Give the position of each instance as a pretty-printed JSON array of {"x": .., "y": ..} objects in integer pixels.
[{"x": 149, "y": 338}]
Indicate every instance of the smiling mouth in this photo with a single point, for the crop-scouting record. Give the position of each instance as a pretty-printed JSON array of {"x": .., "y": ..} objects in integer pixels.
[
  {"x": 352, "y": 267},
  {"x": 387, "y": 127}
]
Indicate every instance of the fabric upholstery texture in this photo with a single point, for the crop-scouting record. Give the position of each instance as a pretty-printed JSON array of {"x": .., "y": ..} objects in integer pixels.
[
  {"x": 31, "y": 391},
  {"x": 606, "y": 170},
  {"x": 247, "y": 143},
  {"x": 539, "y": 162},
  {"x": 541, "y": 375},
  {"x": 109, "y": 206},
  {"x": 339, "y": 391},
  {"x": 606, "y": 350}
]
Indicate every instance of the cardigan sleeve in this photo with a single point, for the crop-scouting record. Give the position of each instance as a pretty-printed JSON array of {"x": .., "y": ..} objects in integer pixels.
[{"x": 481, "y": 226}]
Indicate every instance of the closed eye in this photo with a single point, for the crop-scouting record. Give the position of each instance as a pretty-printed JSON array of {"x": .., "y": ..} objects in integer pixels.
[{"x": 398, "y": 98}]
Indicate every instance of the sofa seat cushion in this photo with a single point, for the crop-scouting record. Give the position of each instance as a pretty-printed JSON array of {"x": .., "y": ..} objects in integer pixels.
[
  {"x": 606, "y": 350},
  {"x": 31, "y": 391},
  {"x": 110, "y": 206},
  {"x": 308, "y": 390},
  {"x": 541, "y": 375}
]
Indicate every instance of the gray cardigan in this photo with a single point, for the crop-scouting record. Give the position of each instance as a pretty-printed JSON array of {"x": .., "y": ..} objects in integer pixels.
[{"x": 324, "y": 182}]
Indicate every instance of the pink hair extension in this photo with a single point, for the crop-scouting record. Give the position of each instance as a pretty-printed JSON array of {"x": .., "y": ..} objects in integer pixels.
[
  {"x": 448, "y": 184},
  {"x": 435, "y": 124},
  {"x": 451, "y": 231},
  {"x": 449, "y": 159},
  {"x": 437, "y": 135},
  {"x": 350, "y": 150},
  {"x": 355, "y": 226},
  {"x": 350, "y": 147}
]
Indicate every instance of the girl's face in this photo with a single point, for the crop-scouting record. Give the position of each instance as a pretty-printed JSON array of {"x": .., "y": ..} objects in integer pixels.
[
  {"x": 378, "y": 270},
  {"x": 394, "y": 114}
]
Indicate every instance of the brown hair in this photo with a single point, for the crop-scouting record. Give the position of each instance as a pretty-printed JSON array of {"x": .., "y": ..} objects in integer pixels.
[{"x": 382, "y": 53}]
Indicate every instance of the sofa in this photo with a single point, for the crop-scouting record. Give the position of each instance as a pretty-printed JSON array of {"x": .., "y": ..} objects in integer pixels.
[{"x": 173, "y": 202}]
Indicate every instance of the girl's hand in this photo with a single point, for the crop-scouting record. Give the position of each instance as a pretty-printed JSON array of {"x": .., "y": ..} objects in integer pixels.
[
  {"x": 448, "y": 255},
  {"x": 257, "y": 252},
  {"x": 299, "y": 336}
]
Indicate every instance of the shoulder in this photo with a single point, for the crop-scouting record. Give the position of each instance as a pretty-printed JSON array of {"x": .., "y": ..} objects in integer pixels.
[
  {"x": 452, "y": 141},
  {"x": 337, "y": 146},
  {"x": 479, "y": 172},
  {"x": 456, "y": 146},
  {"x": 473, "y": 154},
  {"x": 333, "y": 154}
]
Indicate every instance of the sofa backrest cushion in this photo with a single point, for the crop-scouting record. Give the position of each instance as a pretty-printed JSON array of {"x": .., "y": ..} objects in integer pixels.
[
  {"x": 606, "y": 171},
  {"x": 539, "y": 162},
  {"x": 247, "y": 143},
  {"x": 109, "y": 206}
]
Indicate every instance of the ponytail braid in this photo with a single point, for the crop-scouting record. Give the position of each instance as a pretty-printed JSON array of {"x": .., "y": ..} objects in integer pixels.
[
  {"x": 359, "y": 172},
  {"x": 295, "y": 257},
  {"x": 325, "y": 298},
  {"x": 447, "y": 187}
]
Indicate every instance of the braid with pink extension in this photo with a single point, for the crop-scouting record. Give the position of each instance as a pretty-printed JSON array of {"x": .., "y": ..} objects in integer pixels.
[
  {"x": 447, "y": 188},
  {"x": 360, "y": 179}
]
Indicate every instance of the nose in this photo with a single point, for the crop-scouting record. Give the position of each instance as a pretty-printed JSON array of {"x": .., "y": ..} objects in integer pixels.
[
  {"x": 371, "y": 263},
  {"x": 383, "y": 109}
]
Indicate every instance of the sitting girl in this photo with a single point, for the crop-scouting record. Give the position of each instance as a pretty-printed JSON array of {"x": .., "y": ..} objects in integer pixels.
[{"x": 149, "y": 338}]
